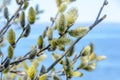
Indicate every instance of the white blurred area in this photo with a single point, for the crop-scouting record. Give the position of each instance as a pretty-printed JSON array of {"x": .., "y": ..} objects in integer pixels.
[{"x": 88, "y": 9}]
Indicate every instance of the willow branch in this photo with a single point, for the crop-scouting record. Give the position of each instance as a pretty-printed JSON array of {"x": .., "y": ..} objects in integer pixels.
[
  {"x": 6, "y": 27},
  {"x": 76, "y": 41}
]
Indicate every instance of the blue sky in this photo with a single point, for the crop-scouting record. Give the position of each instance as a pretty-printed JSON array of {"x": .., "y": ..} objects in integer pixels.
[{"x": 88, "y": 9}]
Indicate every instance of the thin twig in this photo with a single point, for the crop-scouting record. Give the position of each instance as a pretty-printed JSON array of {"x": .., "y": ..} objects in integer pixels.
[
  {"x": 19, "y": 37},
  {"x": 9, "y": 21},
  {"x": 18, "y": 61},
  {"x": 101, "y": 9},
  {"x": 76, "y": 41}
]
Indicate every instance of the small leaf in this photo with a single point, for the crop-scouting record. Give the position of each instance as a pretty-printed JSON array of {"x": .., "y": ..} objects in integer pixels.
[
  {"x": 77, "y": 74},
  {"x": 6, "y": 13},
  {"x": 40, "y": 42},
  {"x": 10, "y": 52},
  {"x": 43, "y": 77},
  {"x": 78, "y": 32},
  {"x": 31, "y": 15},
  {"x": 22, "y": 19},
  {"x": 11, "y": 37},
  {"x": 27, "y": 31}
]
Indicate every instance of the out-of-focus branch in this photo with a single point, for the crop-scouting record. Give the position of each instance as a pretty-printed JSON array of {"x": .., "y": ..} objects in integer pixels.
[
  {"x": 7, "y": 25},
  {"x": 97, "y": 21},
  {"x": 76, "y": 41}
]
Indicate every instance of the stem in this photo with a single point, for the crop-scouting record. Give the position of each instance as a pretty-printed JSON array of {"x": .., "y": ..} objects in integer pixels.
[
  {"x": 101, "y": 9},
  {"x": 18, "y": 61},
  {"x": 2, "y": 31},
  {"x": 19, "y": 36},
  {"x": 76, "y": 41}
]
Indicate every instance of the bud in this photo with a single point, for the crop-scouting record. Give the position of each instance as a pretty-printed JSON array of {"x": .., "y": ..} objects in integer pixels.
[
  {"x": 44, "y": 33},
  {"x": 90, "y": 67},
  {"x": 33, "y": 53},
  {"x": 100, "y": 58},
  {"x": 62, "y": 7},
  {"x": 49, "y": 34},
  {"x": 10, "y": 52},
  {"x": 11, "y": 37},
  {"x": 35, "y": 63},
  {"x": 40, "y": 42},
  {"x": 86, "y": 51},
  {"x": 31, "y": 15},
  {"x": 72, "y": 16},
  {"x": 78, "y": 32},
  {"x": 92, "y": 56},
  {"x": 25, "y": 4},
  {"x": 43, "y": 77},
  {"x": 56, "y": 56},
  {"x": 105, "y": 2},
  {"x": 31, "y": 72},
  {"x": 61, "y": 23},
  {"x": 6, "y": 63},
  {"x": 41, "y": 57},
  {"x": 71, "y": 52},
  {"x": 22, "y": 19},
  {"x": 61, "y": 48},
  {"x": 42, "y": 70},
  {"x": 6, "y": 13},
  {"x": 58, "y": 2},
  {"x": 77, "y": 74},
  {"x": 56, "y": 77},
  {"x": 19, "y": 2},
  {"x": 84, "y": 62},
  {"x": 53, "y": 44},
  {"x": 27, "y": 31}
]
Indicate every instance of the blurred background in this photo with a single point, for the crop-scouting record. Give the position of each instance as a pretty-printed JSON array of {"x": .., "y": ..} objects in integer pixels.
[{"x": 105, "y": 36}]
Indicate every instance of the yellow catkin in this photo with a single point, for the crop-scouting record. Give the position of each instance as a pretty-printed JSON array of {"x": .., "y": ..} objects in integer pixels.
[{"x": 31, "y": 15}]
